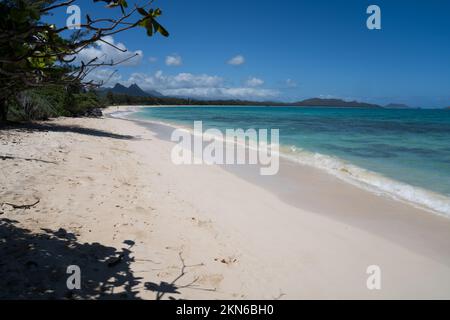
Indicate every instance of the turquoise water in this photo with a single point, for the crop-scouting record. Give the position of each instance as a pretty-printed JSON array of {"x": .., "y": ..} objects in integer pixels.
[{"x": 411, "y": 147}]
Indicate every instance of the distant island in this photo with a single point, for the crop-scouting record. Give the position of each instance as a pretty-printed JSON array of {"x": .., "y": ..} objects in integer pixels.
[
  {"x": 134, "y": 95},
  {"x": 396, "y": 106},
  {"x": 319, "y": 102}
]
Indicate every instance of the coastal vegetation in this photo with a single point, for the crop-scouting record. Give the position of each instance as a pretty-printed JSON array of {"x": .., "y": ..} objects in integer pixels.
[
  {"x": 52, "y": 101},
  {"x": 39, "y": 74}
]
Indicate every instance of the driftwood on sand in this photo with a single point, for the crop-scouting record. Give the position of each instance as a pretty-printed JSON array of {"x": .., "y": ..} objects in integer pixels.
[{"x": 22, "y": 206}]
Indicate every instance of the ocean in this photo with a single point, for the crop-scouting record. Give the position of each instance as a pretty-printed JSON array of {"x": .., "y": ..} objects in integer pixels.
[{"x": 401, "y": 153}]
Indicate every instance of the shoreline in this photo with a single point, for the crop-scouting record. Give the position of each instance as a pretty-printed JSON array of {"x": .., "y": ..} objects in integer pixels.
[
  {"x": 367, "y": 180},
  {"x": 111, "y": 182},
  {"x": 346, "y": 201}
]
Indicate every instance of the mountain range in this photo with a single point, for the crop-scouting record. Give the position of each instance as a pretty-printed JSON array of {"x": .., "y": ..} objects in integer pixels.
[{"x": 135, "y": 91}]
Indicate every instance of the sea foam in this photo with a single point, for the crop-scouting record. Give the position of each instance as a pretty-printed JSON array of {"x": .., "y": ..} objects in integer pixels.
[{"x": 369, "y": 180}]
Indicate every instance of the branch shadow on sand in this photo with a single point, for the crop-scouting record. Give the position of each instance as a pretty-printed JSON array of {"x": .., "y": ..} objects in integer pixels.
[
  {"x": 173, "y": 287},
  {"x": 52, "y": 127},
  {"x": 33, "y": 266}
]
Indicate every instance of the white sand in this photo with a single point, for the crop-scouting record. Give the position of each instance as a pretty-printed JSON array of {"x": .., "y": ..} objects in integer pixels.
[{"x": 238, "y": 237}]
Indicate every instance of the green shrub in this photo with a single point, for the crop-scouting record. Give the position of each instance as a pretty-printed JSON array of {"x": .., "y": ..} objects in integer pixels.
[
  {"x": 84, "y": 102},
  {"x": 51, "y": 101}
]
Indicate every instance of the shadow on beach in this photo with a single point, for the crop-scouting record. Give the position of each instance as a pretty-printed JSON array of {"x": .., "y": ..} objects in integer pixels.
[
  {"x": 52, "y": 127},
  {"x": 33, "y": 266}
]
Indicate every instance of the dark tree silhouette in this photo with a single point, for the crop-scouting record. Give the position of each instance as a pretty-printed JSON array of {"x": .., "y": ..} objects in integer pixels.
[{"x": 33, "y": 266}]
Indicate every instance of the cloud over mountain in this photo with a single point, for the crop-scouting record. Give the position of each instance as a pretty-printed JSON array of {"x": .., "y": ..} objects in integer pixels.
[
  {"x": 200, "y": 86},
  {"x": 105, "y": 52}
]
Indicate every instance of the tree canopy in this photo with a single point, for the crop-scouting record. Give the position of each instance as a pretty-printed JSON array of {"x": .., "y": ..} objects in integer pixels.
[{"x": 35, "y": 53}]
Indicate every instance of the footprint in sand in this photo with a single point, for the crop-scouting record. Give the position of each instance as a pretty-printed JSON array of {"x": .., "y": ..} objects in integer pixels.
[{"x": 228, "y": 260}]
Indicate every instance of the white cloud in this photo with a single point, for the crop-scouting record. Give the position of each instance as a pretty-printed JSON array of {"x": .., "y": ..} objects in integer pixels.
[
  {"x": 105, "y": 76},
  {"x": 201, "y": 86},
  {"x": 105, "y": 53},
  {"x": 327, "y": 96},
  {"x": 254, "y": 82},
  {"x": 237, "y": 60},
  {"x": 174, "y": 60},
  {"x": 152, "y": 59},
  {"x": 291, "y": 83},
  {"x": 160, "y": 81},
  {"x": 224, "y": 93}
]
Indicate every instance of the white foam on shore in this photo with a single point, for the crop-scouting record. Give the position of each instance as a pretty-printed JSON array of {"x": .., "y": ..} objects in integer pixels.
[
  {"x": 123, "y": 113},
  {"x": 363, "y": 178},
  {"x": 372, "y": 181}
]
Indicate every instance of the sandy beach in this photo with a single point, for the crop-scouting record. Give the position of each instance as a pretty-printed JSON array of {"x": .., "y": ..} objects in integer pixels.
[{"x": 104, "y": 194}]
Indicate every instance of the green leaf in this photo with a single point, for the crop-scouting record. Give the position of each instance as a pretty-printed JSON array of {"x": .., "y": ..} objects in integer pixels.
[
  {"x": 157, "y": 12},
  {"x": 159, "y": 28},
  {"x": 142, "y": 23},
  {"x": 142, "y": 12},
  {"x": 149, "y": 27}
]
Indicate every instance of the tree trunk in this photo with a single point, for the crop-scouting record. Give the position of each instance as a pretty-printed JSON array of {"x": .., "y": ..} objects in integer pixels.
[{"x": 3, "y": 110}]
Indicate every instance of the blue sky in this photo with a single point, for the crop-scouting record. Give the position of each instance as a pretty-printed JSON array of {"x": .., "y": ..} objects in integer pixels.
[{"x": 291, "y": 50}]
